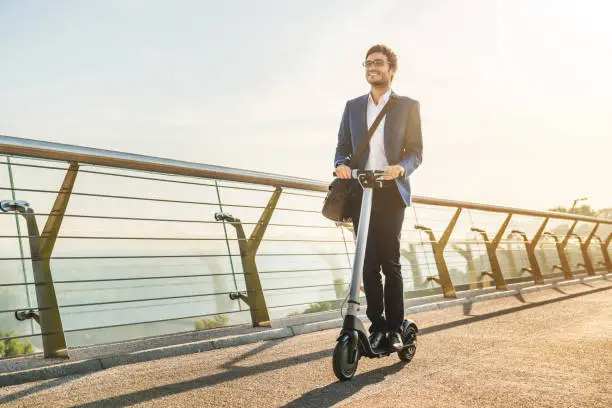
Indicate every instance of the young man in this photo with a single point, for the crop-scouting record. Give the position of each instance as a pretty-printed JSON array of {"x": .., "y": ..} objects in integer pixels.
[{"x": 397, "y": 148}]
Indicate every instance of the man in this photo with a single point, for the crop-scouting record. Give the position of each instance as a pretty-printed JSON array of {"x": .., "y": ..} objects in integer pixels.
[{"x": 397, "y": 148}]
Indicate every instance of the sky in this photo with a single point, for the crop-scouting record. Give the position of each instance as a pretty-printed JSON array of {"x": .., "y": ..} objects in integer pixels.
[{"x": 515, "y": 94}]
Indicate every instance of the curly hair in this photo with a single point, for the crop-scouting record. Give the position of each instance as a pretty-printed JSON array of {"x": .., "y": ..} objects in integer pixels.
[{"x": 388, "y": 52}]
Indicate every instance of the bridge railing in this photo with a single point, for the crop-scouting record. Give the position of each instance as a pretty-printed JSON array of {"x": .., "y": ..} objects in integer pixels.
[{"x": 101, "y": 246}]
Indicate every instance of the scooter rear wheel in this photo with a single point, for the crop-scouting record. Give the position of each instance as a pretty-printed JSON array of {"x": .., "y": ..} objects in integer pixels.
[
  {"x": 343, "y": 369},
  {"x": 410, "y": 337}
]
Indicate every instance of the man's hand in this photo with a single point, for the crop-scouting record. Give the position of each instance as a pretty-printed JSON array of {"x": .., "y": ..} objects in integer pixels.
[
  {"x": 393, "y": 172},
  {"x": 343, "y": 172}
]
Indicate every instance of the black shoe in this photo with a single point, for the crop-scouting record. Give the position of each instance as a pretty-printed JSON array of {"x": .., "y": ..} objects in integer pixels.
[
  {"x": 395, "y": 340},
  {"x": 375, "y": 339}
]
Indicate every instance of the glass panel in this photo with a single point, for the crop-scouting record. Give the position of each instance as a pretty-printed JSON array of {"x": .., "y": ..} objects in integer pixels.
[{"x": 14, "y": 293}]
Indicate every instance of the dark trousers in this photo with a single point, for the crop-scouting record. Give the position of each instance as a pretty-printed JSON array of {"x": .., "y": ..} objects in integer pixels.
[{"x": 383, "y": 251}]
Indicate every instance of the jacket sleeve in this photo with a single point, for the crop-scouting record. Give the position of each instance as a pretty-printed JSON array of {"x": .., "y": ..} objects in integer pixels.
[
  {"x": 412, "y": 151},
  {"x": 344, "y": 149}
]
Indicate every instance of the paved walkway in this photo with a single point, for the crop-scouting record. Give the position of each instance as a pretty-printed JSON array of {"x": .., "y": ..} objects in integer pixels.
[{"x": 547, "y": 349}]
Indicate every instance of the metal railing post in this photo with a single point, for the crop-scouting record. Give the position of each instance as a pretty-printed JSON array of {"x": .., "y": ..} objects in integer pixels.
[
  {"x": 604, "y": 249},
  {"x": 495, "y": 273},
  {"x": 584, "y": 248},
  {"x": 561, "y": 245},
  {"x": 534, "y": 266},
  {"x": 443, "y": 279},
  {"x": 254, "y": 297},
  {"x": 41, "y": 248}
]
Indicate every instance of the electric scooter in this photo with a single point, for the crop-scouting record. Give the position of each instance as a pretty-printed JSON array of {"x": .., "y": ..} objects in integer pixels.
[{"x": 353, "y": 341}]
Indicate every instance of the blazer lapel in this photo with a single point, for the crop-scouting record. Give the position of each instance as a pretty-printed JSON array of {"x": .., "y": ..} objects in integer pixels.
[
  {"x": 362, "y": 108},
  {"x": 390, "y": 119},
  {"x": 362, "y": 119}
]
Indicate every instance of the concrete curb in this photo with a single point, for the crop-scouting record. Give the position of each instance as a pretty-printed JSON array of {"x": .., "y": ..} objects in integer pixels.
[
  {"x": 49, "y": 372},
  {"x": 101, "y": 363}
]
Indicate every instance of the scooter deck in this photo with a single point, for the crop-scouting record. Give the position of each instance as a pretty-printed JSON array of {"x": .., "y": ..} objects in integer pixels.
[
  {"x": 385, "y": 350},
  {"x": 382, "y": 351}
]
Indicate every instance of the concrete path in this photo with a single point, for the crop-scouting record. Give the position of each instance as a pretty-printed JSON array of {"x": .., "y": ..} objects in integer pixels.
[{"x": 546, "y": 349}]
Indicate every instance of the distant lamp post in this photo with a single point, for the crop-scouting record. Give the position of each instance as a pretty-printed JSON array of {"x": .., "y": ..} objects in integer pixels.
[{"x": 575, "y": 201}]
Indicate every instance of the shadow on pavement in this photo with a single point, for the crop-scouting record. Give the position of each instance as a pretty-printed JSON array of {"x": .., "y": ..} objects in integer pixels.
[
  {"x": 40, "y": 387},
  {"x": 339, "y": 391},
  {"x": 520, "y": 297},
  {"x": 526, "y": 306},
  {"x": 262, "y": 347},
  {"x": 559, "y": 290},
  {"x": 202, "y": 382}
]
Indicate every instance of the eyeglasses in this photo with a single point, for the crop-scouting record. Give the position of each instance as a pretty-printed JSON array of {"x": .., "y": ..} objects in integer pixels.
[{"x": 377, "y": 63}]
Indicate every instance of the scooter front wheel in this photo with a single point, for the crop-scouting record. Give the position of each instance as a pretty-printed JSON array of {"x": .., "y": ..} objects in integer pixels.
[
  {"x": 410, "y": 339},
  {"x": 343, "y": 368}
]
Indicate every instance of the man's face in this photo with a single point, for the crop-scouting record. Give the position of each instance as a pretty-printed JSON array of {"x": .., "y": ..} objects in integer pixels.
[{"x": 377, "y": 69}]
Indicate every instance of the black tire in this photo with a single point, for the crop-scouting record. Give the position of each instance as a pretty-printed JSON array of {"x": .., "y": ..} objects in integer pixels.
[
  {"x": 342, "y": 368},
  {"x": 410, "y": 339}
]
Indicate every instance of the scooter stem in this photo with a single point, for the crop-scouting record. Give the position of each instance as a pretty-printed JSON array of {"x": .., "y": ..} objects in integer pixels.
[{"x": 362, "y": 237}]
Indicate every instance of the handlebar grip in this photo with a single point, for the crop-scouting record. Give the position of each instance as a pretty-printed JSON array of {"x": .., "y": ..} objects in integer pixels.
[{"x": 354, "y": 173}]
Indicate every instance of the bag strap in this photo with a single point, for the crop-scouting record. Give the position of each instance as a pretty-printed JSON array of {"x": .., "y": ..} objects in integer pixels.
[{"x": 372, "y": 129}]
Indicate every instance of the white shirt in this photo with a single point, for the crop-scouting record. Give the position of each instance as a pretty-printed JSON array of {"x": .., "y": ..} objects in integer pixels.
[{"x": 377, "y": 159}]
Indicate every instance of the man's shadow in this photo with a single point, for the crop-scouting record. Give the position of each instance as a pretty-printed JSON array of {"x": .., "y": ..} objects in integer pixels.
[{"x": 338, "y": 391}]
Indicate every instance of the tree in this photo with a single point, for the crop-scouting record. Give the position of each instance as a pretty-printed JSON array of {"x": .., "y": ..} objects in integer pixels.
[
  {"x": 582, "y": 210},
  {"x": 605, "y": 213}
]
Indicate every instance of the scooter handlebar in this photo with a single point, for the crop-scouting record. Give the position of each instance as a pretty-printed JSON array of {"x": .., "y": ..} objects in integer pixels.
[{"x": 355, "y": 173}]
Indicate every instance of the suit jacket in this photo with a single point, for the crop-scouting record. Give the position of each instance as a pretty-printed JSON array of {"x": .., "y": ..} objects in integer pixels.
[{"x": 402, "y": 137}]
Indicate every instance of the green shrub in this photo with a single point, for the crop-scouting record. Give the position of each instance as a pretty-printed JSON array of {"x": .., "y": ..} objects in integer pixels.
[
  {"x": 14, "y": 347},
  {"x": 314, "y": 308},
  {"x": 318, "y": 307},
  {"x": 217, "y": 321}
]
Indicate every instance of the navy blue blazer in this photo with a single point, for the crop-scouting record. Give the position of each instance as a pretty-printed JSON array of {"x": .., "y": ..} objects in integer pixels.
[{"x": 403, "y": 139}]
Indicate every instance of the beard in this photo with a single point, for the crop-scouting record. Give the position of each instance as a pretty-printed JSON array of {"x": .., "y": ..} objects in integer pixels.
[{"x": 378, "y": 81}]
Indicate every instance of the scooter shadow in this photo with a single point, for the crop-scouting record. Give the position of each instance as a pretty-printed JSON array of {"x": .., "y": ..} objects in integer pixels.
[{"x": 338, "y": 391}]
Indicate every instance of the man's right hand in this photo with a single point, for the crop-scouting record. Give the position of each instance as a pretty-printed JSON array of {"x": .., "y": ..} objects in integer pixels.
[{"x": 343, "y": 172}]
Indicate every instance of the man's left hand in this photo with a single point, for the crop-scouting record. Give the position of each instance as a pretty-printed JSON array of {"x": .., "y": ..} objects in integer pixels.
[{"x": 393, "y": 172}]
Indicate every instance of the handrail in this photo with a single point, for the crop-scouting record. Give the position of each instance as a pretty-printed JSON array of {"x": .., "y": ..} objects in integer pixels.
[
  {"x": 10, "y": 145},
  {"x": 110, "y": 158}
]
